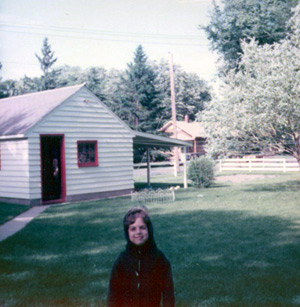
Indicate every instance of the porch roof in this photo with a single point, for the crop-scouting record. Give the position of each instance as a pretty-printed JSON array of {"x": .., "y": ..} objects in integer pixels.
[{"x": 150, "y": 140}]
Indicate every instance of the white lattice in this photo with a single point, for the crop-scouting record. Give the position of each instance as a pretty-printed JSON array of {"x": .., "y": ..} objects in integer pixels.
[{"x": 158, "y": 195}]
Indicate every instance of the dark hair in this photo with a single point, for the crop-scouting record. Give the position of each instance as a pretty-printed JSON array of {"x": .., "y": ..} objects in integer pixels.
[{"x": 131, "y": 217}]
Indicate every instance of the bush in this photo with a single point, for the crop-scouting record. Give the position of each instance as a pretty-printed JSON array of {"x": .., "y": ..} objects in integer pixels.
[{"x": 201, "y": 172}]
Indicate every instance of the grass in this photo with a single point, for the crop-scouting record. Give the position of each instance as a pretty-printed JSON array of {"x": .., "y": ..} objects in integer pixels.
[
  {"x": 229, "y": 245},
  {"x": 9, "y": 211}
]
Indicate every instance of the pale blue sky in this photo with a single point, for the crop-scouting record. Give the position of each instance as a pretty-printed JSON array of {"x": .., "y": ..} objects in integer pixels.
[{"x": 104, "y": 33}]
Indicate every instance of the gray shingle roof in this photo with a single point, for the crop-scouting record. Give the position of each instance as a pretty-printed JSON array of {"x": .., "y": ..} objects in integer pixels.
[{"x": 20, "y": 113}]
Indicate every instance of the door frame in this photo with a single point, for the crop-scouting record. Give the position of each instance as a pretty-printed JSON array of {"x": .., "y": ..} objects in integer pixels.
[{"x": 62, "y": 168}]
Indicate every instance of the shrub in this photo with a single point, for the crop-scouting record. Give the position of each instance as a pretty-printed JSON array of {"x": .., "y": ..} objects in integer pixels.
[{"x": 201, "y": 172}]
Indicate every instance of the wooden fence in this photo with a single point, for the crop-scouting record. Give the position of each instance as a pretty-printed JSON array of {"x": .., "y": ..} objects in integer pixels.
[{"x": 259, "y": 164}]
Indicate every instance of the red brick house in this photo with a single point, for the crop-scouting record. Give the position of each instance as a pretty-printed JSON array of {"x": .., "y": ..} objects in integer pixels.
[{"x": 192, "y": 132}]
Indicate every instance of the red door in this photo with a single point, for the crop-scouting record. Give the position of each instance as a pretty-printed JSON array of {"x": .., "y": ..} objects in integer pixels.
[{"x": 53, "y": 168}]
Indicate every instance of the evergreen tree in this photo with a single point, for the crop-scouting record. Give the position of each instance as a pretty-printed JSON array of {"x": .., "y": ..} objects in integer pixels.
[
  {"x": 138, "y": 95},
  {"x": 46, "y": 61}
]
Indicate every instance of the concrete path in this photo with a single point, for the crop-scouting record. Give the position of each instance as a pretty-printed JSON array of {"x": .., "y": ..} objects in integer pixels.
[{"x": 16, "y": 224}]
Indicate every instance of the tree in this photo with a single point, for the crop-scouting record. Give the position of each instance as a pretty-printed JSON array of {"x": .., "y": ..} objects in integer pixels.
[
  {"x": 114, "y": 79},
  {"x": 70, "y": 75},
  {"x": 9, "y": 88},
  {"x": 2, "y": 87},
  {"x": 29, "y": 85},
  {"x": 259, "y": 106},
  {"x": 46, "y": 61},
  {"x": 237, "y": 20},
  {"x": 138, "y": 96},
  {"x": 191, "y": 91},
  {"x": 94, "y": 77},
  {"x": 95, "y": 81}
]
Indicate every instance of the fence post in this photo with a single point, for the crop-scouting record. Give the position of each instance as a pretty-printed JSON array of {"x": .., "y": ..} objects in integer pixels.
[
  {"x": 220, "y": 166},
  {"x": 284, "y": 165},
  {"x": 185, "y": 183}
]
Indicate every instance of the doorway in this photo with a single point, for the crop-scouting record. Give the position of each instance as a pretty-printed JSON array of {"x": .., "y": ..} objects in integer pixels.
[{"x": 53, "y": 168}]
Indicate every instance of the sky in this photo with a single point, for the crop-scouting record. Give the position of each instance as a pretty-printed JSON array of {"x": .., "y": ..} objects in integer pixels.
[{"x": 104, "y": 33}]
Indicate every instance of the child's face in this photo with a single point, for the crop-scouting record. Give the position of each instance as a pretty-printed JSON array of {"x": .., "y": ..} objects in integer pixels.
[{"x": 138, "y": 232}]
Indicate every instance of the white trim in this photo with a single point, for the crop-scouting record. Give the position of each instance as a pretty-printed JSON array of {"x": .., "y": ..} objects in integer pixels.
[{"x": 12, "y": 137}]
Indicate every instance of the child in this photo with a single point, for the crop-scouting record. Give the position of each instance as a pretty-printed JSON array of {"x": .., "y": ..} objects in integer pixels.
[{"x": 141, "y": 275}]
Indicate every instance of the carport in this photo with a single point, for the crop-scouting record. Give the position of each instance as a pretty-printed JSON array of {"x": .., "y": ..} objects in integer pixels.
[{"x": 150, "y": 140}]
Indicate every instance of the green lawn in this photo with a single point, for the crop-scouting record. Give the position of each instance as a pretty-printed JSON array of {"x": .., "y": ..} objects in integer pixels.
[
  {"x": 9, "y": 211},
  {"x": 234, "y": 244}
]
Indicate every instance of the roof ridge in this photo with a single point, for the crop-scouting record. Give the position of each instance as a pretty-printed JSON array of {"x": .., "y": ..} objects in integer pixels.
[{"x": 45, "y": 91}]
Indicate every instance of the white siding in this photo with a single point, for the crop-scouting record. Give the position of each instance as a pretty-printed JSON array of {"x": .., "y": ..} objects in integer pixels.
[
  {"x": 14, "y": 172},
  {"x": 79, "y": 120}
]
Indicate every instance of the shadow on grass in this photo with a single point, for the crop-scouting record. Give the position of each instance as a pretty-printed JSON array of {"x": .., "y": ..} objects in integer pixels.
[
  {"x": 9, "y": 211},
  {"x": 156, "y": 185},
  {"x": 223, "y": 258},
  {"x": 166, "y": 185},
  {"x": 219, "y": 258}
]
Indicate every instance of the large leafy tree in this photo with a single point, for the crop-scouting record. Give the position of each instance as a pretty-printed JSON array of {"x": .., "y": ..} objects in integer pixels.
[
  {"x": 113, "y": 84},
  {"x": 8, "y": 88},
  {"x": 47, "y": 60},
  {"x": 95, "y": 81},
  {"x": 2, "y": 88},
  {"x": 138, "y": 95},
  {"x": 191, "y": 91},
  {"x": 259, "y": 105},
  {"x": 70, "y": 75},
  {"x": 237, "y": 20}
]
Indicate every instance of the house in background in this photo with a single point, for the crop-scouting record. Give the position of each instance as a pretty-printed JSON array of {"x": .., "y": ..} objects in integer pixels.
[
  {"x": 192, "y": 132},
  {"x": 65, "y": 145}
]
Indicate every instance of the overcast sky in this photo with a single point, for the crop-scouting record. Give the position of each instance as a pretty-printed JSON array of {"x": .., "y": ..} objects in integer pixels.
[{"x": 104, "y": 33}]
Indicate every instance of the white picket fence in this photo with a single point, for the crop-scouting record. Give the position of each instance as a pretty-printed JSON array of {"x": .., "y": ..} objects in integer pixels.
[{"x": 259, "y": 164}]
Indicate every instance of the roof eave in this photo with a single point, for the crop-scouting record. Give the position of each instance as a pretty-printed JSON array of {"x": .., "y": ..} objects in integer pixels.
[
  {"x": 147, "y": 139},
  {"x": 12, "y": 137}
]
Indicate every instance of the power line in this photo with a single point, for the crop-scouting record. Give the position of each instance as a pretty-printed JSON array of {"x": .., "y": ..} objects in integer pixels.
[
  {"x": 102, "y": 32},
  {"x": 124, "y": 37}
]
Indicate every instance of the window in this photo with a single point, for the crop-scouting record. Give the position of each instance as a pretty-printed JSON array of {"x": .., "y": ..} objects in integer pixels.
[{"x": 87, "y": 153}]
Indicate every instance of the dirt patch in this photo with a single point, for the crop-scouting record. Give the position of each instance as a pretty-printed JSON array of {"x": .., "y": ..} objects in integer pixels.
[{"x": 243, "y": 177}]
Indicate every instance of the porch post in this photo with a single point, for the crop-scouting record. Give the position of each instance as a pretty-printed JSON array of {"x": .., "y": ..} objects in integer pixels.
[
  {"x": 148, "y": 166},
  {"x": 184, "y": 168}
]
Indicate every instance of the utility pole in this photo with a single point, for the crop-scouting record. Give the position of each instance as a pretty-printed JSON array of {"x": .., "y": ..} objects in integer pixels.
[{"x": 173, "y": 113}]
